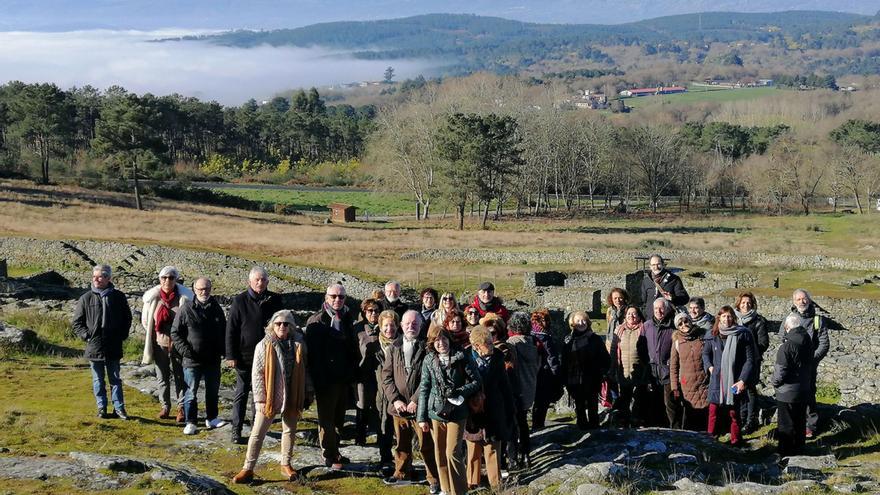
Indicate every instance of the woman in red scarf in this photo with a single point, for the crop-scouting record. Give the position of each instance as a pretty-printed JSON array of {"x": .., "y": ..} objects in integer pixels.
[{"x": 160, "y": 306}]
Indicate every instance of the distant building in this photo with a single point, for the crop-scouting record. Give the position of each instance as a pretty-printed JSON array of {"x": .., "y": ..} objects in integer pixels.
[
  {"x": 590, "y": 100},
  {"x": 342, "y": 213},
  {"x": 661, "y": 90}
]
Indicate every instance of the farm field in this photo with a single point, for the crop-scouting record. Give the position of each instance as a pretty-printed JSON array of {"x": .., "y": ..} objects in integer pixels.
[
  {"x": 701, "y": 94},
  {"x": 376, "y": 251},
  {"x": 373, "y": 203}
]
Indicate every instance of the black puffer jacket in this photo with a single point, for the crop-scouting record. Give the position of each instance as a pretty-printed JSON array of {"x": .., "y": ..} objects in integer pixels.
[
  {"x": 497, "y": 418},
  {"x": 246, "y": 325},
  {"x": 102, "y": 343},
  {"x": 793, "y": 369},
  {"x": 818, "y": 333},
  {"x": 198, "y": 331},
  {"x": 761, "y": 340}
]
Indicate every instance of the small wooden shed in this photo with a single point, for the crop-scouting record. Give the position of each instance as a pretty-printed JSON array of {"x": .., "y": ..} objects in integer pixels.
[{"x": 342, "y": 213}]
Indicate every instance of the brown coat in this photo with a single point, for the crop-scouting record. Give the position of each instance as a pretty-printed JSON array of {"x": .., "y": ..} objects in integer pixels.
[
  {"x": 686, "y": 370},
  {"x": 396, "y": 383}
]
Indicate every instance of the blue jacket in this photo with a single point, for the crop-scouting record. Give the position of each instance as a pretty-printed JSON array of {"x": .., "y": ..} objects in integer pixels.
[{"x": 743, "y": 364}]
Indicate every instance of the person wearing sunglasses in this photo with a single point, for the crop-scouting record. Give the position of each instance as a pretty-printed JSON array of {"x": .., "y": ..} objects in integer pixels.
[
  {"x": 245, "y": 324},
  {"x": 281, "y": 387},
  {"x": 447, "y": 303},
  {"x": 330, "y": 337},
  {"x": 687, "y": 376},
  {"x": 472, "y": 317},
  {"x": 161, "y": 304}
]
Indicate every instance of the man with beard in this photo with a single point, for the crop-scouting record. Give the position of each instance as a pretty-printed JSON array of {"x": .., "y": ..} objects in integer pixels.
[
  {"x": 392, "y": 299},
  {"x": 816, "y": 326},
  {"x": 697, "y": 310},
  {"x": 660, "y": 282},
  {"x": 245, "y": 327},
  {"x": 658, "y": 332}
]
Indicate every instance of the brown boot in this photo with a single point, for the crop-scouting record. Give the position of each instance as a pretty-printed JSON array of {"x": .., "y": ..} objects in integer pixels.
[
  {"x": 180, "y": 416},
  {"x": 289, "y": 473},
  {"x": 243, "y": 476},
  {"x": 164, "y": 413}
]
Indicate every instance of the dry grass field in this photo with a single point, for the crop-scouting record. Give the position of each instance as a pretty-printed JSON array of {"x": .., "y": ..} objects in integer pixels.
[{"x": 373, "y": 250}]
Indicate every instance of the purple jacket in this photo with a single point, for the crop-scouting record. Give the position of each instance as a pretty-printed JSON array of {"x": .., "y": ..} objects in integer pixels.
[{"x": 659, "y": 339}]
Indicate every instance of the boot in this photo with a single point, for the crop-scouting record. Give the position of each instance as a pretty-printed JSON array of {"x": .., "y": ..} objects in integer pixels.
[
  {"x": 181, "y": 417},
  {"x": 164, "y": 413},
  {"x": 289, "y": 473},
  {"x": 243, "y": 476}
]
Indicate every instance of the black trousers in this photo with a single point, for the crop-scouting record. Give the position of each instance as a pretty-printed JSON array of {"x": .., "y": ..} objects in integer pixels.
[
  {"x": 631, "y": 406},
  {"x": 240, "y": 397},
  {"x": 694, "y": 419},
  {"x": 812, "y": 414},
  {"x": 791, "y": 423},
  {"x": 586, "y": 404},
  {"x": 673, "y": 408}
]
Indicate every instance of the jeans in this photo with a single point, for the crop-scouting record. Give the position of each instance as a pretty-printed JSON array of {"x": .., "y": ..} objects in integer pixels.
[
  {"x": 192, "y": 377},
  {"x": 112, "y": 371}
]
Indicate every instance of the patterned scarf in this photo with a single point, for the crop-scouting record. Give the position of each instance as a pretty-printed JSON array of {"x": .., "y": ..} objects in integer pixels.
[{"x": 335, "y": 316}]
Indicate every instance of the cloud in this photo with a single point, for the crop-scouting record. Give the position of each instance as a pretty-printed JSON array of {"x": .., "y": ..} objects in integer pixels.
[{"x": 229, "y": 75}]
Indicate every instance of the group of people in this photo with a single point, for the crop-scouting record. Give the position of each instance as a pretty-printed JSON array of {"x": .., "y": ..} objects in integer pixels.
[{"x": 461, "y": 381}]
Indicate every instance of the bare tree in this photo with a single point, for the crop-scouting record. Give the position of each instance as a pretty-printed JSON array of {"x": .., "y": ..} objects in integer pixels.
[
  {"x": 854, "y": 170},
  {"x": 656, "y": 154}
]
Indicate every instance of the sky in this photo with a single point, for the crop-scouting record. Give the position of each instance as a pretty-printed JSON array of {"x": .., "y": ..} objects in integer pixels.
[{"x": 231, "y": 76}]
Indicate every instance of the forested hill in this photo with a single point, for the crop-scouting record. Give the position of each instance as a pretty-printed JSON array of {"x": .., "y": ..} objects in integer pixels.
[{"x": 442, "y": 35}]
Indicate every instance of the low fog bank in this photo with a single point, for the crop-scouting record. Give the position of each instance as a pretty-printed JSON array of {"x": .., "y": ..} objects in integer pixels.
[{"x": 231, "y": 76}]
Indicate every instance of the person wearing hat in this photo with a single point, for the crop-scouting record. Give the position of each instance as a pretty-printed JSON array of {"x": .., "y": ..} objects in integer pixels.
[
  {"x": 281, "y": 385},
  {"x": 486, "y": 302},
  {"x": 161, "y": 305}
]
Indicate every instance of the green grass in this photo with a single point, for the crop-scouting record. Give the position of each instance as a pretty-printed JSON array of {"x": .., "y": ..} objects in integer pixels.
[
  {"x": 18, "y": 271},
  {"x": 697, "y": 95},
  {"x": 377, "y": 204}
]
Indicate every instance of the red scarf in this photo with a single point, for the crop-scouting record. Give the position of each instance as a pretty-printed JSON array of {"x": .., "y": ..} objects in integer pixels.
[
  {"x": 164, "y": 313},
  {"x": 462, "y": 338}
]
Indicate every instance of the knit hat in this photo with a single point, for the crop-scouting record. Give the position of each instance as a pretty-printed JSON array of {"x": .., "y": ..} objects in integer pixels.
[{"x": 680, "y": 317}]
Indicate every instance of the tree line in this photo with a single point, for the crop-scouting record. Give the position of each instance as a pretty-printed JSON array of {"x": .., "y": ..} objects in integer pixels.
[
  {"x": 121, "y": 134},
  {"x": 482, "y": 145}
]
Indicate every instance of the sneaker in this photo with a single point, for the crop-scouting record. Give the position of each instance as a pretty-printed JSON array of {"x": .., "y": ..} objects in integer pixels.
[
  {"x": 236, "y": 437},
  {"x": 214, "y": 423},
  {"x": 102, "y": 413},
  {"x": 121, "y": 414},
  {"x": 434, "y": 489},
  {"x": 392, "y": 480},
  {"x": 190, "y": 429}
]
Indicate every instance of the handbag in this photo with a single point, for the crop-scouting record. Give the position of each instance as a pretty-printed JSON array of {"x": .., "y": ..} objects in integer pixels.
[
  {"x": 447, "y": 411},
  {"x": 477, "y": 402}
]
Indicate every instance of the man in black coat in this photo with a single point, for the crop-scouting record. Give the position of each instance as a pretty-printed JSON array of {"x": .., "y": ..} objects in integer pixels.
[
  {"x": 392, "y": 299},
  {"x": 804, "y": 309},
  {"x": 245, "y": 327},
  {"x": 660, "y": 282},
  {"x": 334, "y": 356},
  {"x": 102, "y": 318},
  {"x": 792, "y": 375},
  {"x": 198, "y": 335}
]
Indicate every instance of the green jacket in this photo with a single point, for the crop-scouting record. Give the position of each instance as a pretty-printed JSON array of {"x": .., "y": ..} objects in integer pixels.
[{"x": 460, "y": 378}]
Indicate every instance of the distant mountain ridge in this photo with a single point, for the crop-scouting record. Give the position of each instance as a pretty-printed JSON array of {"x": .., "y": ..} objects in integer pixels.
[
  {"x": 61, "y": 15},
  {"x": 502, "y": 45}
]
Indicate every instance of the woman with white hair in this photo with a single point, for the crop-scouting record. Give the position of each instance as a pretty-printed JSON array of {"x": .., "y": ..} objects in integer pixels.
[
  {"x": 161, "y": 304},
  {"x": 281, "y": 385}
]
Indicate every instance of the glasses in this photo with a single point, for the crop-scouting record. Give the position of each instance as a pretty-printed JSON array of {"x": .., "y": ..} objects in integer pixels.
[
  {"x": 201, "y": 289},
  {"x": 336, "y": 296},
  {"x": 282, "y": 323},
  {"x": 167, "y": 277},
  {"x": 682, "y": 323},
  {"x": 372, "y": 310},
  {"x": 446, "y": 298},
  {"x": 473, "y": 313}
]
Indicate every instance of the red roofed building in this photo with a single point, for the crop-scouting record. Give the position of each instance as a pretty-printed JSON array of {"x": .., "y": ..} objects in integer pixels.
[{"x": 662, "y": 90}]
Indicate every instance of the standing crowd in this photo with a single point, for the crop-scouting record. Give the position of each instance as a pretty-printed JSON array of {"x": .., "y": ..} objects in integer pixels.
[{"x": 460, "y": 381}]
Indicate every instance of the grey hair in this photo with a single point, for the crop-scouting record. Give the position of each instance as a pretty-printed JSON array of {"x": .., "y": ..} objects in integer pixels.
[
  {"x": 336, "y": 286},
  {"x": 283, "y": 315},
  {"x": 206, "y": 279},
  {"x": 519, "y": 322},
  {"x": 418, "y": 315},
  {"x": 169, "y": 270},
  {"x": 258, "y": 270},
  {"x": 655, "y": 255},
  {"x": 791, "y": 321},
  {"x": 394, "y": 283},
  {"x": 104, "y": 269},
  {"x": 666, "y": 304},
  {"x": 802, "y": 291}
]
